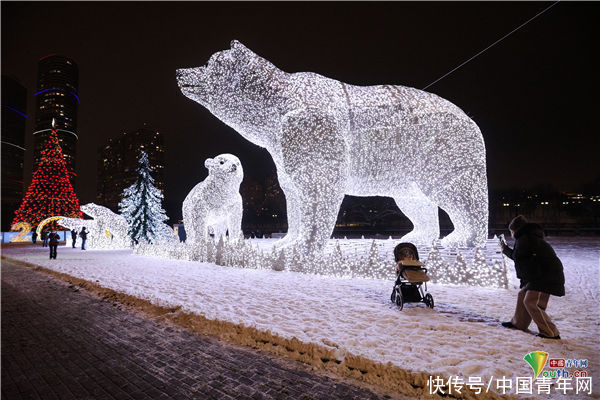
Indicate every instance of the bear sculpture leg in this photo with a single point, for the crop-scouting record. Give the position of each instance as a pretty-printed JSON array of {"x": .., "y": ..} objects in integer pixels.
[
  {"x": 234, "y": 222},
  {"x": 455, "y": 178},
  {"x": 317, "y": 221},
  {"x": 195, "y": 224},
  {"x": 292, "y": 210},
  {"x": 317, "y": 187},
  {"x": 219, "y": 229},
  {"x": 465, "y": 201},
  {"x": 422, "y": 213}
]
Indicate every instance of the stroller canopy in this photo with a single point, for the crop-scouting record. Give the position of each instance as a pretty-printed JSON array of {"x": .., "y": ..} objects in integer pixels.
[{"x": 404, "y": 249}]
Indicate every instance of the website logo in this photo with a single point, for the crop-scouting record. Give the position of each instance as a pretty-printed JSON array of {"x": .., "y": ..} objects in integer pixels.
[{"x": 537, "y": 361}]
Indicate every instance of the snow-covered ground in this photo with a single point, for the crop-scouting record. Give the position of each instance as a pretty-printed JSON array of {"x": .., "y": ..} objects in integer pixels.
[{"x": 460, "y": 336}]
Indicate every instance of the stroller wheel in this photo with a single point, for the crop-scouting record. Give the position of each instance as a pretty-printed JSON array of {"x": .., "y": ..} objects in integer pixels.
[
  {"x": 399, "y": 301},
  {"x": 429, "y": 300},
  {"x": 393, "y": 296}
]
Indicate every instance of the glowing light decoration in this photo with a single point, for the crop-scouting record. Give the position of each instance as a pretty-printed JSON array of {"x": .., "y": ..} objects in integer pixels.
[
  {"x": 77, "y": 224},
  {"x": 329, "y": 139},
  {"x": 216, "y": 202},
  {"x": 460, "y": 269},
  {"x": 435, "y": 265},
  {"x": 24, "y": 228},
  {"x": 478, "y": 268},
  {"x": 343, "y": 258},
  {"x": 107, "y": 230},
  {"x": 50, "y": 192},
  {"x": 142, "y": 209},
  {"x": 48, "y": 220},
  {"x": 106, "y": 221}
]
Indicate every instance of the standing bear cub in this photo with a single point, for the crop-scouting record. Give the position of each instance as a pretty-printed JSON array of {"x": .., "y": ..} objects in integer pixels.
[
  {"x": 216, "y": 201},
  {"x": 328, "y": 139}
]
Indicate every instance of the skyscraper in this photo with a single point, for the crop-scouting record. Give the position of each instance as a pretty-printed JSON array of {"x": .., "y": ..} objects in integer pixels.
[
  {"x": 14, "y": 118},
  {"x": 57, "y": 100},
  {"x": 118, "y": 162}
]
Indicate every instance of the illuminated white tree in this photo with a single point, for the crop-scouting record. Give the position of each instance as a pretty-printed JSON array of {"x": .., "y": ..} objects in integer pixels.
[
  {"x": 459, "y": 270},
  {"x": 278, "y": 261},
  {"x": 339, "y": 265},
  {"x": 141, "y": 205},
  {"x": 500, "y": 275},
  {"x": 435, "y": 265},
  {"x": 478, "y": 270},
  {"x": 215, "y": 202},
  {"x": 329, "y": 139}
]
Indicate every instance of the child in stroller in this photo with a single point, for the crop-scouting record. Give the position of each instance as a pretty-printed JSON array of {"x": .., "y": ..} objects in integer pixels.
[{"x": 411, "y": 277}]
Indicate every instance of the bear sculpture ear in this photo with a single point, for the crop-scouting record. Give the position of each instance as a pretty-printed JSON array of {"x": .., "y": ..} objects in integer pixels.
[
  {"x": 208, "y": 163},
  {"x": 236, "y": 45}
]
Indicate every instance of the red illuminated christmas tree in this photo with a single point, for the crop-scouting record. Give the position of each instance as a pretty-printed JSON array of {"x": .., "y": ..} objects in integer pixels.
[{"x": 50, "y": 192}]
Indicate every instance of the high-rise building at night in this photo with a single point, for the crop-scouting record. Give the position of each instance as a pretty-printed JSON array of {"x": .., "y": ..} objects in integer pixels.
[
  {"x": 14, "y": 118},
  {"x": 57, "y": 99},
  {"x": 118, "y": 163}
]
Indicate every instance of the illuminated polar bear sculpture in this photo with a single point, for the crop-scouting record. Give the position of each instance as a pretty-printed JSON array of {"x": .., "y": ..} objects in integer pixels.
[
  {"x": 106, "y": 221},
  {"x": 215, "y": 202},
  {"x": 328, "y": 139},
  {"x": 116, "y": 224},
  {"x": 95, "y": 238},
  {"x": 75, "y": 223}
]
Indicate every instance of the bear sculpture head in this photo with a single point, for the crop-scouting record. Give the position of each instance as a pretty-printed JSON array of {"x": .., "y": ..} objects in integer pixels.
[
  {"x": 224, "y": 74},
  {"x": 225, "y": 166},
  {"x": 94, "y": 210},
  {"x": 237, "y": 86}
]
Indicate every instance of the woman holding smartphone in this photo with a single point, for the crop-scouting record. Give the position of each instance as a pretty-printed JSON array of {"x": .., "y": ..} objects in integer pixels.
[{"x": 541, "y": 275}]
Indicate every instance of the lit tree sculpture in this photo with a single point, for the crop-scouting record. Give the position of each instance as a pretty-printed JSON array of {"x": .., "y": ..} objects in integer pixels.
[
  {"x": 50, "y": 192},
  {"x": 329, "y": 139},
  {"x": 141, "y": 206}
]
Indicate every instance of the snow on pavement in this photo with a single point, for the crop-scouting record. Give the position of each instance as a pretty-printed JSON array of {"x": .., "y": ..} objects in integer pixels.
[{"x": 460, "y": 336}]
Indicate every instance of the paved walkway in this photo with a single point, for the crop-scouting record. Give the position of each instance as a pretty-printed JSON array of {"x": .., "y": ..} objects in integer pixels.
[{"x": 59, "y": 342}]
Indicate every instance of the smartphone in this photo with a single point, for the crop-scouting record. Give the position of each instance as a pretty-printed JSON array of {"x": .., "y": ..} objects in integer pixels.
[{"x": 501, "y": 239}]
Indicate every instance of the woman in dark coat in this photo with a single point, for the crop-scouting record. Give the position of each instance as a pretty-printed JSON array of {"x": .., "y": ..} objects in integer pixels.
[
  {"x": 53, "y": 243},
  {"x": 541, "y": 275}
]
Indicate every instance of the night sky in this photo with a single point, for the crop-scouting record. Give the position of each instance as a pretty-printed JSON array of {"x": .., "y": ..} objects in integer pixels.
[{"x": 532, "y": 95}]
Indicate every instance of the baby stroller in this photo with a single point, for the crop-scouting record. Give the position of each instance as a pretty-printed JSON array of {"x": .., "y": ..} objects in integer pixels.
[{"x": 411, "y": 283}]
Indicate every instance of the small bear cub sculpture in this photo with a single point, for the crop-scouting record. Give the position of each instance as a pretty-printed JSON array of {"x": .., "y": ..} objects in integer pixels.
[{"x": 216, "y": 201}]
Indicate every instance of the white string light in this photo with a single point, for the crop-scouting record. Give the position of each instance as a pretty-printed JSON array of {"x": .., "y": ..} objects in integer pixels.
[
  {"x": 329, "y": 139},
  {"x": 141, "y": 206},
  {"x": 106, "y": 221},
  {"x": 348, "y": 259},
  {"x": 215, "y": 202},
  {"x": 108, "y": 230}
]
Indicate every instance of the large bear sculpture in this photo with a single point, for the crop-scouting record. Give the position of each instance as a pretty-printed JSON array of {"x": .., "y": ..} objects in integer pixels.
[
  {"x": 215, "y": 202},
  {"x": 328, "y": 139}
]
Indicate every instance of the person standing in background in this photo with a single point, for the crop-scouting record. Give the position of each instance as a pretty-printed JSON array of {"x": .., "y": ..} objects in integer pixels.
[
  {"x": 53, "y": 243},
  {"x": 44, "y": 237},
  {"x": 74, "y": 237},
  {"x": 83, "y": 235}
]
